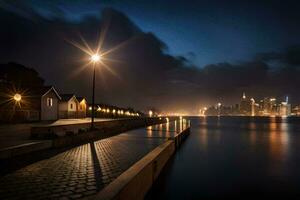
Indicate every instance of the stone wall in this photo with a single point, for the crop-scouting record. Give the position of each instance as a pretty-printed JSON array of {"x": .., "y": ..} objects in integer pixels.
[
  {"x": 134, "y": 183},
  {"x": 64, "y": 135}
]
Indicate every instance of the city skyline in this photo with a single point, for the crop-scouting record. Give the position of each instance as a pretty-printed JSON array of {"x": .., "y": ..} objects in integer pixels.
[{"x": 248, "y": 106}]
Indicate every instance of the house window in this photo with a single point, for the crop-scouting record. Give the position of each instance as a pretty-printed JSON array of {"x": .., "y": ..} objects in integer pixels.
[
  {"x": 49, "y": 102},
  {"x": 71, "y": 106}
]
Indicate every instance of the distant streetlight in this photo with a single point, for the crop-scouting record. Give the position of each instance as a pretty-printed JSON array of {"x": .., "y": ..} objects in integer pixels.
[
  {"x": 17, "y": 97},
  {"x": 150, "y": 113},
  {"x": 95, "y": 59},
  {"x": 219, "y": 109}
]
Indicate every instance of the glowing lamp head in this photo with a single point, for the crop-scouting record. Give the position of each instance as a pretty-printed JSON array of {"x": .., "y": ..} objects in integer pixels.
[
  {"x": 17, "y": 97},
  {"x": 95, "y": 58},
  {"x": 150, "y": 113}
]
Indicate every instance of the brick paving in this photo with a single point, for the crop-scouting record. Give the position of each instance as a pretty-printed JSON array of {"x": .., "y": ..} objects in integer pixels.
[
  {"x": 16, "y": 134},
  {"x": 83, "y": 170}
]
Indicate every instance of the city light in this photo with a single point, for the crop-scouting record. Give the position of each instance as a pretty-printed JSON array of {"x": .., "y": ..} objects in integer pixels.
[{"x": 268, "y": 106}]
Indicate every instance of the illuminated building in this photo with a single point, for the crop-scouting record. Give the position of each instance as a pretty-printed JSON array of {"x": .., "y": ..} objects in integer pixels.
[
  {"x": 285, "y": 108},
  {"x": 82, "y": 107},
  {"x": 68, "y": 106},
  {"x": 269, "y": 106},
  {"x": 296, "y": 111},
  {"x": 245, "y": 105},
  {"x": 253, "y": 107}
]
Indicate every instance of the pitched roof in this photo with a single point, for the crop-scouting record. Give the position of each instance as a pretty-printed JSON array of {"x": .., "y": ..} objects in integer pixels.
[
  {"x": 41, "y": 91},
  {"x": 67, "y": 97},
  {"x": 81, "y": 98}
]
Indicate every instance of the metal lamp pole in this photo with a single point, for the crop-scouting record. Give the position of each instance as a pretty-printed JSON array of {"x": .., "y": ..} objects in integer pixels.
[
  {"x": 95, "y": 58},
  {"x": 93, "y": 100}
]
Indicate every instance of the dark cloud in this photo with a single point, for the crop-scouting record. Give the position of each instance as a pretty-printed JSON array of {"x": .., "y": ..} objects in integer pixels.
[{"x": 146, "y": 75}]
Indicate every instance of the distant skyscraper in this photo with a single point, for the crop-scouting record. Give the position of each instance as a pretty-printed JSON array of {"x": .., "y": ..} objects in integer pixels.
[
  {"x": 285, "y": 108},
  {"x": 245, "y": 105},
  {"x": 244, "y": 95},
  {"x": 269, "y": 106},
  {"x": 252, "y": 107}
]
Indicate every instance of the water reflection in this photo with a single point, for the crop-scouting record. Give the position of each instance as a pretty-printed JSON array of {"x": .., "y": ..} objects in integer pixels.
[
  {"x": 203, "y": 134},
  {"x": 160, "y": 133},
  {"x": 167, "y": 129},
  {"x": 149, "y": 131},
  {"x": 252, "y": 127},
  {"x": 232, "y": 156},
  {"x": 278, "y": 138}
]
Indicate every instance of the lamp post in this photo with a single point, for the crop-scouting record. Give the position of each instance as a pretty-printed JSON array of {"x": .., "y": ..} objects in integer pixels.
[
  {"x": 95, "y": 59},
  {"x": 150, "y": 113},
  {"x": 17, "y": 97},
  {"x": 219, "y": 109}
]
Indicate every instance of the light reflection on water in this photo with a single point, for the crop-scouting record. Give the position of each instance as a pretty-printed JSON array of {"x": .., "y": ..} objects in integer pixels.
[{"x": 235, "y": 156}]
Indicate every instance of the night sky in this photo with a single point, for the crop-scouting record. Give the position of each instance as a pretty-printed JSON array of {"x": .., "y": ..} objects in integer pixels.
[{"x": 179, "y": 55}]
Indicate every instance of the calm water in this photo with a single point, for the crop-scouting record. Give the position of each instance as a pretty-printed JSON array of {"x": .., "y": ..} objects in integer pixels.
[{"x": 234, "y": 157}]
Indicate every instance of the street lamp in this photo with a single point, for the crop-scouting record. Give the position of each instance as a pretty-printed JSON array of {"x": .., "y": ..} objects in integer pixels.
[
  {"x": 219, "y": 109},
  {"x": 150, "y": 113},
  {"x": 17, "y": 97},
  {"x": 95, "y": 59}
]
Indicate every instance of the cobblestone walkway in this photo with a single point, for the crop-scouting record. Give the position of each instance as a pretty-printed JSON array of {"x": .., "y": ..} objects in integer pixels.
[
  {"x": 86, "y": 169},
  {"x": 83, "y": 170}
]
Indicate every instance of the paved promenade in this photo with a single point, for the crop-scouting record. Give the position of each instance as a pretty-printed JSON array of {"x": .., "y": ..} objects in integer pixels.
[
  {"x": 16, "y": 134},
  {"x": 86, "y": 169}
]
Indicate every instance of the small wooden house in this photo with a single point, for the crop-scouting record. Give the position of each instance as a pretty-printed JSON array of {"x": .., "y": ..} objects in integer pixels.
[
  {"x": 82, "y": 107},
  {"x": 49, "y": 100},
  {"x": 68, "y": 106}
]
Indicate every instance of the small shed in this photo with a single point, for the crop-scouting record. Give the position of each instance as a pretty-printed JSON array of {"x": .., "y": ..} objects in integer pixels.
[
  {"x": 82, "y": 107},
  {"x": 68, "y": 106}
]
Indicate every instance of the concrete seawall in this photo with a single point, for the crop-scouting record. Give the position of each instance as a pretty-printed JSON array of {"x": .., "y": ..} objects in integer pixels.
[
  {"x": 56, "y": 136},
  {"x": 134, "y": 183},
  {"x": 66, "y": 135},
  {"x": 114, "y": 125}
]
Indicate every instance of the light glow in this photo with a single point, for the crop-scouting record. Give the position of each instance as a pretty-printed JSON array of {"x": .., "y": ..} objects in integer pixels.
[
  {"x": 17, "y": 97},
  {"x": 150, "y": 113},
  {"x": 95, "y": 58}
]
